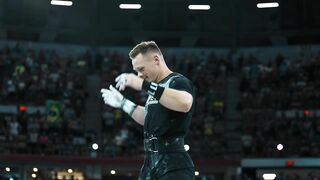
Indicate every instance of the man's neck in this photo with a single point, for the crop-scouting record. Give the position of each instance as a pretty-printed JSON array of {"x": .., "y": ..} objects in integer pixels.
[{"x": 164, "y": 73}]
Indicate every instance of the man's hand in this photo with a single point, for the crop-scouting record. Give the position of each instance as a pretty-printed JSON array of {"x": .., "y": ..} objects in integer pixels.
[
  {"x": 128, "y": 80},
  {"x": 112, "y": 97}
]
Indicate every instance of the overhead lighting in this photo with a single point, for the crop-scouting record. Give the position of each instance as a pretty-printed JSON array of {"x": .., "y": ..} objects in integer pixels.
[
  {"x": 130, "y": 6},
  {"x": 268, "y": 5},
  {"x": 61, "y": 3},
  {"x": 199, "y": 7}
]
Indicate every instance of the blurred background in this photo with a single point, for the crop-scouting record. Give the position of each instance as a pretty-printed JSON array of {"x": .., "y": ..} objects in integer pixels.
[{"x": 255, "y": 65}]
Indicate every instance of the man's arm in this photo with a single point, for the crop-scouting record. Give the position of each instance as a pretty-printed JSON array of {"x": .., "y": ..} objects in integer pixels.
[
  {"x": 115, "y": 99},
  {"x": 138, "y": 115},
  {"x": 176, "y": 100}
]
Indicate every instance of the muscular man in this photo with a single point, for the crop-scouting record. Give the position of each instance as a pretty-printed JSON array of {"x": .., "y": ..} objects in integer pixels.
[{"x": 166, "y": 116}]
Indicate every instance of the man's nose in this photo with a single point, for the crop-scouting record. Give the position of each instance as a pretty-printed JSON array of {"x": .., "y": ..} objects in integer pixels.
[{"x": 140, "y": 75}]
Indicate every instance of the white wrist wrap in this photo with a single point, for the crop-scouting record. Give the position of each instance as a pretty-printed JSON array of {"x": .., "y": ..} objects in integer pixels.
[{"x": 128, "y": 106}]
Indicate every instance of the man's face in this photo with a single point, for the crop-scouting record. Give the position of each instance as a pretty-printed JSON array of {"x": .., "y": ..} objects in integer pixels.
[{"x": 146, "y": 66}]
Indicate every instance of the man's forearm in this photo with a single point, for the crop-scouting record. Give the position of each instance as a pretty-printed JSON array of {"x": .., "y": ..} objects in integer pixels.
[{"x": 138, "y": 115}]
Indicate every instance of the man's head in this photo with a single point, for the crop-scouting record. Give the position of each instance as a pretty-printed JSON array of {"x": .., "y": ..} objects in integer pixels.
[{"x": 147, "y": 60}]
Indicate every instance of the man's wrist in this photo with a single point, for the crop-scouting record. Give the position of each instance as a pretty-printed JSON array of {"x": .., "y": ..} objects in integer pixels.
[
  {"x": 145, "y": 85},
  {"x": 128, "y": 106},
  {"x": 153, "y": 89}
]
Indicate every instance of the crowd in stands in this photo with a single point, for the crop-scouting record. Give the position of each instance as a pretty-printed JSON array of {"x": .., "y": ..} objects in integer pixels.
[
  {"x": 34, "y": 79},
  {"x": 277, "y": 104}
]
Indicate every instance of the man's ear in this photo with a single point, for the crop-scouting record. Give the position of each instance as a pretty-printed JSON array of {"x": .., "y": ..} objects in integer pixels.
[{"x": 156, "y": 59}]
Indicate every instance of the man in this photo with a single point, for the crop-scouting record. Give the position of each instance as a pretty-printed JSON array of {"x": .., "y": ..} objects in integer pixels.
[{"x": 166, "y": 116}]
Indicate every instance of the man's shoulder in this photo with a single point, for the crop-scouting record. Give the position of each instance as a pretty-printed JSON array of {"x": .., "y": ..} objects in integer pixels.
[
  {"x": 176, "y": 75},
  {"x": 174, "y": 78},
  {"x": 181, "y": 78}
]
